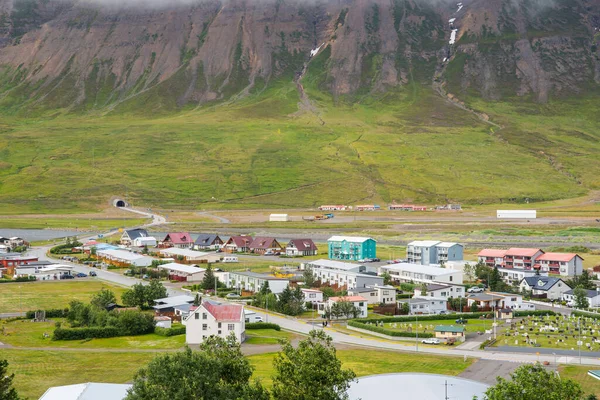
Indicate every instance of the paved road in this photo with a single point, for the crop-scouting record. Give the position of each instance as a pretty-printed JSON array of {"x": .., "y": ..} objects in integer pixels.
[
  {"x": 486, "y": 371},
  {"x": 542, "y": 350}
]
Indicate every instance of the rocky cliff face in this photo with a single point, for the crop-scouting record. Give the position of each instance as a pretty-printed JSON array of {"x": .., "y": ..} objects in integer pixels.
[{"x": 83, "y": 55}]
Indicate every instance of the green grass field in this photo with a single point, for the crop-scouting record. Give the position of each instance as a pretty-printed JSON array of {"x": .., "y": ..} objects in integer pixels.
[
  {"x": 473, "y": 325},
  {"x": 267, "y": 336},
  {"x": 27, "y": 296},
  {"x": 580, "y": 374}
]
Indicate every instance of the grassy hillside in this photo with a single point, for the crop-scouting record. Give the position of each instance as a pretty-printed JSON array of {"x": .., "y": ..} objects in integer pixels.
[{"x": 407, "y": 145}]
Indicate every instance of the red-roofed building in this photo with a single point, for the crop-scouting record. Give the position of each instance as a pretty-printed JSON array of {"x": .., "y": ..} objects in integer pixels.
[
  {"x": 181, "y": 240},
  {"x": 360, "y": 303},
  {"x": 262, "y": 245},
  {"x": 238, "y": 244},
  {"x": 301, "y": 247},
  {"x": 492, "y": 257},
  {"x": 214, "y": 319},
  {"x": 564, "y": 264}
]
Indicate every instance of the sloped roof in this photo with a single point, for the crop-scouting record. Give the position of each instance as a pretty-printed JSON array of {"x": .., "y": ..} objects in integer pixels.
[
  {"x": 450, "y": 328},
  {"x": 87, "y": 391},
  {"x": 347, "y": 298},
  {"x": 206, "y": 239},
  {"x": 522, "y": 252},
  {"x": 351, "y": 239},
  {"x": 541, "y": 282},
  {"x": 262, "y": 242},
  {"x": 424, "y": 243},
  {"x": 241, "y": 241},
  {"x": 564, "y": 257},
  {"x": 225, "y": 312},
  {"x": 187, "y": 269},
  {"x": 590, "y": 293},
  {"x": 491, "y": 253},
  {"x": 303, "y": 244},
  {"x": 178, "y": 237},
  {"x": 136, "y": 233}
]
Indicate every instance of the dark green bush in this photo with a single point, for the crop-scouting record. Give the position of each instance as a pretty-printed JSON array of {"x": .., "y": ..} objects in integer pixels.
[
  {"x": 53, "y": 313},
  {"x": 174, "y": 331},
  {"x": 532, "y": 313},
  {"x": 262, "y": 325},
  {"x": 85, "y": 333}
]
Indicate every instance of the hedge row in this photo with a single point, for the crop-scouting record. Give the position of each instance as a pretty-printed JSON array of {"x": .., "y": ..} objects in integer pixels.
[
  {"x": 175, "y": 331},
  {"x": 410, "y": 318},
  {"x": 533, "y": 313},
  {"x": 85, "y": 333},
  {"x": 378, "y": 329},
  {"x": 53, "y": 313},
  {"x": 19, "y": 279},
  {"x": 262, "y": 325},
  {"x": 585, "y": 314}
]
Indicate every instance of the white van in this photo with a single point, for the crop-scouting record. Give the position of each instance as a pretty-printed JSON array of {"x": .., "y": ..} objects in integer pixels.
[{"x": 230, "y": 259}]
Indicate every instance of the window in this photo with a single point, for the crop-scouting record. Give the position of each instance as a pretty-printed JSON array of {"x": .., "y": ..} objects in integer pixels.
[
  {"x": 312, "y": 295},
  {"x": 230, "y": 327},
  {"x": 197, "y": 316},
  {"x": 204, "y": 327},
  {"x": 453, "y": 333},
  {"x": 219, "y": 326},
  {"x": 219, "y": 332},
  {"x": 361, "y": 304},
  {"x": 450, "y": 278},
  {"x": 373, "y": 294},
  {"x": 204, "y": 316}
]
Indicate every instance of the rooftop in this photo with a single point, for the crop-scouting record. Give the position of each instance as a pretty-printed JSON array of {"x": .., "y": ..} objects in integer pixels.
[
  {"x": 541, "y": 282},
  {"x": 347, "y": 298},
  {"x": 332, "y": 264},
  {"x": 590, "y": 293},
  {"x": 257, "y": 275},
  {"x": 564, "y": 257},
  {"x": 522, "y": 252},
  {"x": 121, "y": 254},
  {"x": 418, "y": 268},
  {"x": 492, "y": 253},
  {"x": 352, "y": 239},
  {"x": 188, "y": 269},
  {"x": 175, "y": 300},
  {"x": 449, "y": 328},
  {"x": 424, "y": 243},
  {"x": 87, "y": 391},
  {"x": 179, "y": 237},
  {"x": 183, "y": 252},
  {"x": 225, "y": 312}
]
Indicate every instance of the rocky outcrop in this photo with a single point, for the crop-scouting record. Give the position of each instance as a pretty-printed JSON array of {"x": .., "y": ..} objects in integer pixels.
[{"x": 82, "y": 55}]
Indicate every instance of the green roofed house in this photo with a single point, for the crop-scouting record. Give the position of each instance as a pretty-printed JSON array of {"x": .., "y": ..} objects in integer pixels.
[
  {"x": 446, "y": 332},
  {"x": 351, "y": 248}
]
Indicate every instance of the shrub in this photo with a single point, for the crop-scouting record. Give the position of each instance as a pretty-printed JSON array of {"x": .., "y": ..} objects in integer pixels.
[
  {"x": 486, "y": 343},
  {"x": 53, "y": 313},
  {"x": 411, "y": 318},
  {"x": 132, "y": 322},
  {"x": 19, "y": 279},
  {"x": 174, "y": 331},
  {"x": 533, "y": 313},
  {"x": 378, "y": 329},
  {"x": 585, "y": 314},
  {"x": 85, "y": 333},
  {"x": 262, "y": 325}
]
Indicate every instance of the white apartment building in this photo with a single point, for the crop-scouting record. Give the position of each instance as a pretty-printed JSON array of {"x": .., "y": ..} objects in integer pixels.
[
  {"x": 441, "y": 290},
  {"x": 342, "y": 274},
  {"x": 312, "y": 295},
  {"x": 427, "y": 252},
  {"x": 404, "y": 272},
  {"x": 213, "y": 319},
  {"x": 375, "y": 294},
  {"x": 252, "y": 281}
]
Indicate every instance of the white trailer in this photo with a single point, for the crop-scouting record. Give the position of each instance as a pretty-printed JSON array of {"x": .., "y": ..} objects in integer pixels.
[
  {"x": 279, "y": 218},
  {"x": 516, "y": 214}
]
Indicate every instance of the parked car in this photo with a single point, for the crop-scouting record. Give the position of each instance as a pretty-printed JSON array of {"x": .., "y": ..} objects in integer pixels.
[
  {"x": 376, "y": 260},
  {"x": 67, "y": 277},
  {"x": 80, "y": 275},
  {"x": 431, "y": 341},
  {"x": 258, "y": 318},
  {"x": 475, "y": 289},
  {"x": 461, "y": 321},
  {"x": 93, "y": 273},
  {"x": 232, "y": 295}
]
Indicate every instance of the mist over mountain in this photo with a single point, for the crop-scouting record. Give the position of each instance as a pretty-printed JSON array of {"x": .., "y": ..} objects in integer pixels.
[{"x": 108, "y": 54}]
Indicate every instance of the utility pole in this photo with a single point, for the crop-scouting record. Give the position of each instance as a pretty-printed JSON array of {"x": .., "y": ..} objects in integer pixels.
[{"x": 417, "y": 331}]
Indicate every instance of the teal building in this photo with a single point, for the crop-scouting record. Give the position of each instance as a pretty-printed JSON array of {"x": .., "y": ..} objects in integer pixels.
[{"x": 351, "y": 248}]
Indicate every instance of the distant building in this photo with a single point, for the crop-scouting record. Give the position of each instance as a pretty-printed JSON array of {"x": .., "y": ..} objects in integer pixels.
[
  {"x": 12, "y": 260},
  {"x": 144, "y": 242},
  {"x": 456, "y": 332},
  {"x": 130, "y": 235},
  {"x": 312, "y": 295},
  {"x": 189, "y": 256},
  {"x": 207, "y": 242},
  {"x": 181, "y": 240},
  {"x": 213, "y": 319},
  {"x": 358, "y": 301},
  {"x": 43, "y": 273},
  {"x": 441, "y": 290},
  {"x": 333, "y": 208},
  {"x": 253, "y": 281},
  {"x": 265, "y": 245},
  {"x": 564, "y": 264},
  {"x": 404, "y": 272},
  {"x": 593, "y": 297},
  {"x": 344, "y": 275},
  {"x": 375, "y": 294},
  {"x": 425, "y": 305},
  {"x": 301, "y": 247},
  {"x": 406, "y": 207},
  {"x": 123, "y": 258},
  {"x": 183, "y": 273},
  {"x": 169, "y": 304},
  {"x": 351, "y": 248},
  {"x": 544, "y": 286},
  {"x": 238, "y": 244},
  {"x": 426, "y": 252},
  {"x": 368, "y": 207}
]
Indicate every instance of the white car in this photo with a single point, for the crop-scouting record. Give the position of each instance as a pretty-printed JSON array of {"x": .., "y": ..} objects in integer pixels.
[
  {"x": 475, "y": 289},
  {"x": 431, "y": 341}
]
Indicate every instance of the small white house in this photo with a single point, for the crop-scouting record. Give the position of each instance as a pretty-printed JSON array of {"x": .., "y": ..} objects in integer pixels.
[
  {"x": 279, "y": 218},
  {"x": 358, "y": 301},
  {"x": 375, "y": 294},
  {"x": 312, "y": 295},
  {"x": 441, "y": 290},
  {"x": 425, "y": 305},
  {"x": 593, "y": 297},
  {"x": 181, "y": 272},
  {"x": 163, "y": 322},
  {"x": 545, "y": 286},
  {"x": 213, "y": 319},
  {"x": 144, "y": 241}
]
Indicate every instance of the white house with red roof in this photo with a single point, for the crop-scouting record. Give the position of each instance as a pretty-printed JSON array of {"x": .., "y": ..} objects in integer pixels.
[
  {"x": 564, "y": 264},
  {"x": 238, "y": 244},
  {"x": 181, "y": 240},
  {"x": 358, "y": 301},
  {"x": 214, "y": 319}
]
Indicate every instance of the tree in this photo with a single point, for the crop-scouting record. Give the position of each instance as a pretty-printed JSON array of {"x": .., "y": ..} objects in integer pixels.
[
  {"x": 7, "y": 392},
  {"x": 405, "y": 309},
  {"x": 197, "y": 300},
  {"x": 310, "y": 371},
  {"x": 265, "y": 289},
  {"x": 469, "y": 271},
  {"x": 208, "y": 282},
  {"x": 534, "y": 382},
  {"x": 308, "y": 277},
  {"x": 218, "y": 371},
  {"x": 581, "y": 300},
  {"x": 495, "y": 280},
  {"x": 103, "y": 298},
  {"x": 155, "y": 290},
  {"x": 423, "y": 289},
  {"x": 387, "y": 278},
  {"x": 345, "y": 308},
  {"x": 474, "y": 307},
  {"x": 584, "y": 280},
  {"x": 134, "y": 297},
  {"x": 327, "y": 292}
]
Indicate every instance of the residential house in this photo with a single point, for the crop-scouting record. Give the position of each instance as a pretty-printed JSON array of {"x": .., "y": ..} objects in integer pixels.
[
  {"x": 442, "y": 290},
  {"x": 509, "y": 300},
  {"x": 208, "y": 242},
  {"x": 123, "y": 258},
  {"x": 43, "y": 273},
  {"x": 406, "y": 207},
  {"x": 376, "y": 294},
  {"x": 351, "y": 248},
  {"x": 181, "y": 240},
  {"x": 333, "y": 208},
  {"x": 368, "y": 207},
  {"x": 564, "y": 264},
  {"x": 358, "y": 301},
  {"x": 149, "y": 241},
  {"x": 344, "y": 275},
  {"x": 425, "y": 305},
  {"x": 213, "y": 319},
  {"x": 168, "y": 304},
  {"x": 163, "y": 322},
  {"x": 544, "y": 287},
  {"x": 486, "y": 301},
  {"x": 238, "y": 244},
  {"x": 593, "y": 297},
  {"x": 515, "y": 258},
  {"x": 252, "y": 281},
  {"x": 12, "y": 260},
  {"x": 87, "y": 391},
  {"x": 183, "y": 273},
  {"x": 265, "y": 245},
  {"x": 450, "y": 332},
  {"x": 16, "y": 241},
  {"x": 427, "y": 252},
  {"x": 492, "y": 257},
  {"x": 313, "y": 296},
  {"x": 189, "y": 256},
  {"x": 301, "y": 247},
  {"x": 515, "y": 276},
  {"x": 130, "y": 235},
  {"x": 404, "y": 272}
]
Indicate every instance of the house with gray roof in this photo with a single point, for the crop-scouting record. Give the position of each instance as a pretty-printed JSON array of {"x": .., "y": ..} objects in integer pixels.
[
  {"x": 208, "y": 242},
  {"x": 593, "y": 297},
  {"x": 130, "y": 235},
  {"x": 548, "y": 287}
]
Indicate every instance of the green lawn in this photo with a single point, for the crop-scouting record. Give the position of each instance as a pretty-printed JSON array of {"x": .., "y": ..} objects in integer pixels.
[
  {"x": 24, "y": 333},
  {"x": 369, "y": 362},
  {"x": 27, "y": 296},
  {"x": 36, "y": 371},
  {"x": 580, "y": 374},
  {"x": 71, "y": 223},
  {"x": 267, "y": 336},
  {"x": 473, "y": 325}
]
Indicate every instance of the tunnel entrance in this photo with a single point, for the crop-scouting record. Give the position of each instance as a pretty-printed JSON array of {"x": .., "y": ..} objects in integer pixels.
[{"x": 120, "y": 203}]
